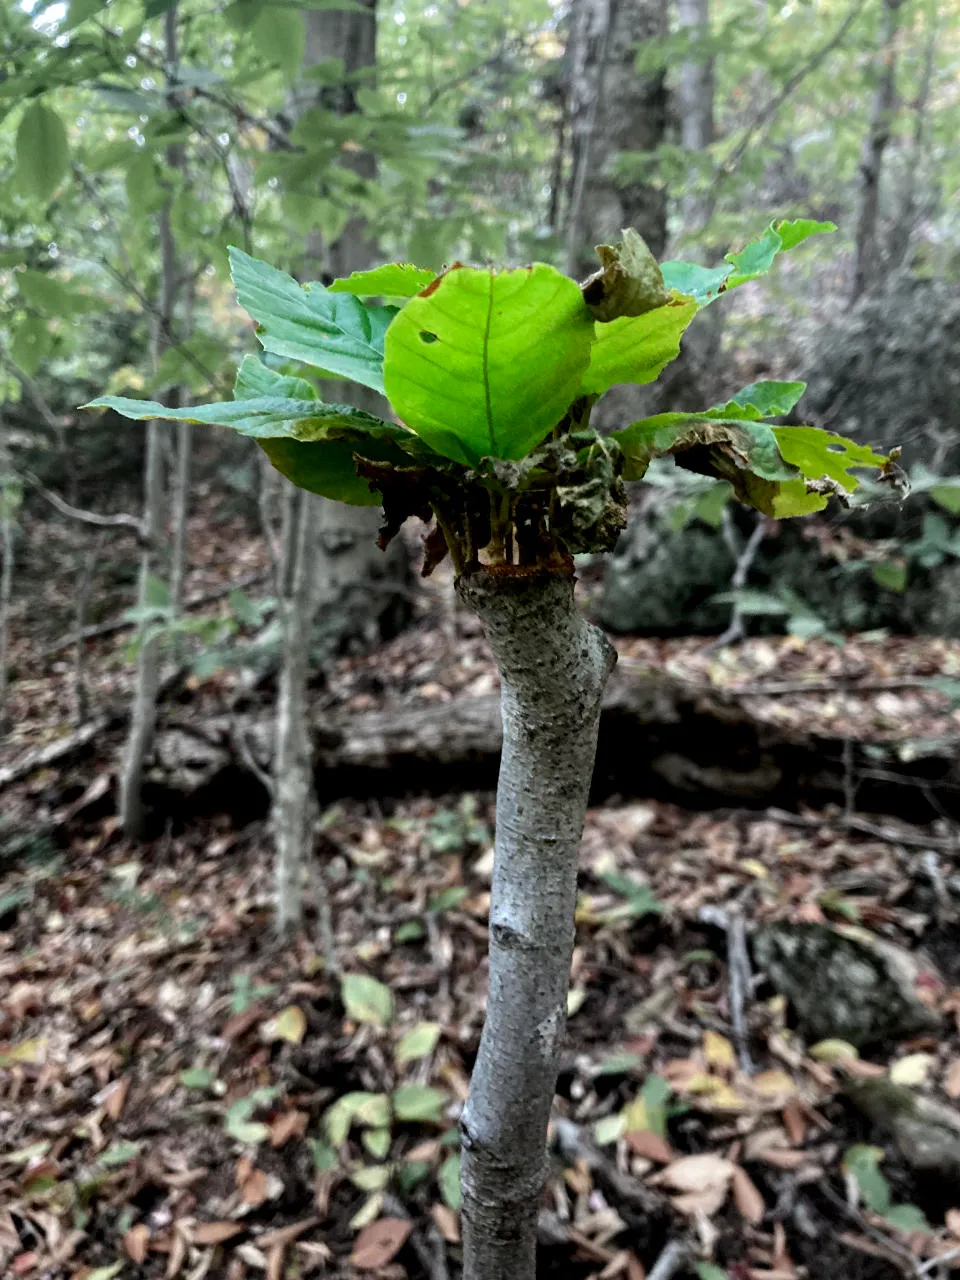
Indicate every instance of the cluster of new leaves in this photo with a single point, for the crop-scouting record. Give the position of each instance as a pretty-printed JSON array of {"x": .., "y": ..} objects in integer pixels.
[{"x": 493, "y": 375}]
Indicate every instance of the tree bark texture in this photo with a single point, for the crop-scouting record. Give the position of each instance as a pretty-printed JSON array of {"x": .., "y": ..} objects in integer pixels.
[
  {"x": 293, "y": 796},
  {"x": 866, "y": 267},
  {"x": 357, "y": 592},
  {"x": 695, "y": 96},
  {"x": 143, "y": 715},
  {"x": 613, "y": 109},
  {"x": 553, "y": 666}
]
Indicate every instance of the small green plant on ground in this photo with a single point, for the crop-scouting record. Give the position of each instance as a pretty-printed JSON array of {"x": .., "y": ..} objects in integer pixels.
[{"x": 492, "y": 377}]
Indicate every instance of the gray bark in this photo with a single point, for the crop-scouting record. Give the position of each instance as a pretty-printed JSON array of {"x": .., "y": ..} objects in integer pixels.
[
  {"x": 915, "y": 168},
  {"x": 8, "y": 493},
  {"x": 866, "y": 267},
  {"x": 143, "y": 714},
  {"x": 612, "y": 109},
  {"x": 293, "y": 802},
  {"x": 553, "y": 666},
  {"x": 695, "y": 96},
  {"x": 353, "y": 588}
]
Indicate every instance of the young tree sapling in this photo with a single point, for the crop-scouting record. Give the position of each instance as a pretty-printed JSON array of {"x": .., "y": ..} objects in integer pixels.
[{"x": 493, "y": 376}]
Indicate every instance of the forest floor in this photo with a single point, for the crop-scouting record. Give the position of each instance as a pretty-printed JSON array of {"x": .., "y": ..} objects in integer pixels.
[{"x": 182, "y": 1095}]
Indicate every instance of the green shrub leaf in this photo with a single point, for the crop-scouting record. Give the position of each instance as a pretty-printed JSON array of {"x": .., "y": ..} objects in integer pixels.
[
  {"x": 393, "y": 280},
  {"x": 265, "y": 417},
  {"x": 43, "y": 153},
  {"x": 255, "y": 379},
  {"x": 761, "y": 400},
  {"x": 334, "y": 332},
  {"x": 419, "y": 1102},
  {"x": 704, "y": 284},
  {"x": 636, "y": 348},
  {"x": 366, "y": 1000},
  {"x": 417, "y": 1042},
  {"x": 494, "y": 357},
  {"x": 818, "y": 453}
]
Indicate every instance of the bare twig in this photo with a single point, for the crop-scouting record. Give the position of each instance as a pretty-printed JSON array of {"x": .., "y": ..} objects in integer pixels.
[
  {"x": 39, "y": 757},
  {"x": 119, "y": 520},
  {"x": 81, "y": 707},
  {"x": 741, "y": 981},
  {"x": 936, "y": 1264},
  {"x": 888, "y": 834},
  {"x": 744, "y": 559}
]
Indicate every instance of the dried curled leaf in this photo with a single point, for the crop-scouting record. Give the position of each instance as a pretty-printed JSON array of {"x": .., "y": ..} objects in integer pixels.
[{"x": 629, "y": 283}]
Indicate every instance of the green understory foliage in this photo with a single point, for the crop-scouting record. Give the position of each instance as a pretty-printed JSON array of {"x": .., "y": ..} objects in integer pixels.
[{"x": 493, "y": 376}]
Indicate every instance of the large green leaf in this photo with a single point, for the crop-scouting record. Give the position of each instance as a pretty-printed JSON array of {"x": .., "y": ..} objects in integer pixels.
[
  {"x": 484, "y": 363},
  {"x": 266, "y": 417},
  {"x": 43, "y": 153},
  {"x": 704, "y": 284},
  {"x": 393, "y": 280},
  {"x": 326, "y": 467},
  {"x": 335, "y": 332},
  {"x": 636, "y": 348}
]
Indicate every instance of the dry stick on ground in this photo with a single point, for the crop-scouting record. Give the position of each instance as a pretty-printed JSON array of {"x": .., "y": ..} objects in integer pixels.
[
  {"x": 8, "y": 500},
  {"x": 739, "y": 975},
  {"x": 675, "y": 1256},
  {"x": 887, "y": 834}
]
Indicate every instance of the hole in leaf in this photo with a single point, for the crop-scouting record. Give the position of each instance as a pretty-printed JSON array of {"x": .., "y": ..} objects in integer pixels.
[
  {"x": 427, "y": 336},
  {"x": 835, "y": 448}
]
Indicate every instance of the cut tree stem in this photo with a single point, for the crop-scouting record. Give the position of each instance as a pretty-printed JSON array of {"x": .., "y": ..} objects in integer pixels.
[{"x": 553, "y": 666}]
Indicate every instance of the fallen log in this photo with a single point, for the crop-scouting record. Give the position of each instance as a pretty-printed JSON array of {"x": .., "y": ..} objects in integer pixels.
[{"x": 659, "y": 737}]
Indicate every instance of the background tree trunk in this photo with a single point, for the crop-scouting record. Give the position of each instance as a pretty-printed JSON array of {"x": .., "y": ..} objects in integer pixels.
[
  {"x": 551, "y": 710},
  {"x": 613, "y": 109},
  {"x": 866, "y": 266},
  {"x": 143, "y": 713},
  {"x": 362, "y": 594},
  {"x": 695, "y": 97},
  {"x": 293, "y": 799}
]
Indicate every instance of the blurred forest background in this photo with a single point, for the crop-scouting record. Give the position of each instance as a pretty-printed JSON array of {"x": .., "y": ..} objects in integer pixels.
[{"x": 246, "y": 759}]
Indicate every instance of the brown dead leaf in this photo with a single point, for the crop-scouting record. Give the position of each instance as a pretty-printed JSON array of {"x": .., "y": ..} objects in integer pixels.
[
  {"x": 116, "y": 1098},
  {"x": 253, "y": 1189},
  {"x": 951, "y": 1083},
  {"x": 703, "y": 1181},
  {"x": 952, "y": 1219},
  {"x": 747, "y": 1198},
  {"x": 24, "y": 1262},
  {"x": 286, "y": 1235},
  {"x": 237, "y": 1026},
  {"x": 705, "y": 1203},
  {"x": 215, "y": 1232},
  {"x": 650, "y": 1146},
  {"x": 446, "y": 1222},
  {"x": 783, "y": 1159},
  {"x": 286, "y": 1126},
  {"x": 379, "y": 1242},
  {"x": 290, "y": 1025},
  {"x": 794, "y": 1122},
  {"x": 136, "y": 1242}
]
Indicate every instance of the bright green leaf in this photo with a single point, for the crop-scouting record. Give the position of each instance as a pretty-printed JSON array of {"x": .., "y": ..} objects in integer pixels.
[
  {"x": 417, "y": 1042},
  {"x": 761, "y": 400},
  {"x": 119, "y": 1153},
  {"x": 43, "y": 153},
  {"x": 818, "y": 454},
  {"x": 369, "y": 1109},
  {"x": 255, "y": 379},
  {"x": 366, "y": 1000},
  {"x": 609, "y": 1129},
  {"x": 891, "y": 575},
  {"x": 394, "y": 280},
  {"x": 32, "y": 342},
  {"x": 948, "y": 497},
  {"x": 267, "y": 417},
  {"x": 197, "y": 1078},
  {"x": 707, "y": 1271},
  {"x": 104, "y": 1273},
  {"x": 377, "y": 1142},
  {"x": 419, "y": 1102},
  {"x": 373, "y": 1177},
  {"x": 448, "y": 1180},
  {"x": 907, "y": 1218},
  {"x": 636, "y": 348},
  {"x": 488, "y": 362},
  {"x": 863, "y": 1164},
  {"x": 335, "y": 332},
  {"x": 46, "y": 293}
]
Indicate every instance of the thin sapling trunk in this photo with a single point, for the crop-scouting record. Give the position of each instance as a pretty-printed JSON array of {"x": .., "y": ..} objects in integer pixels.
[{"x": 553, "y": 667}]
